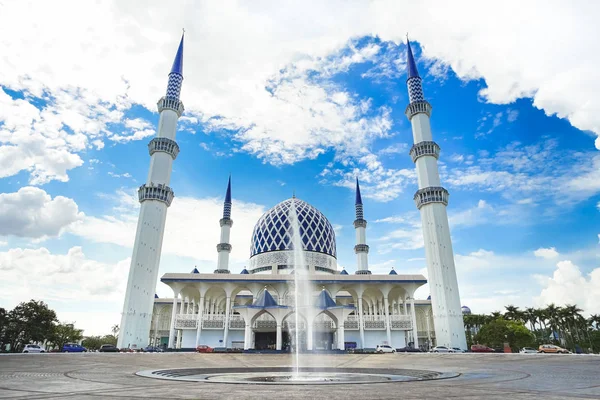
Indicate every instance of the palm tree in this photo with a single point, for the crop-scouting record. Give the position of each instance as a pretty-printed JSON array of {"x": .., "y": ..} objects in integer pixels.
[
  {"x": 551, "y": 312},
  {"x": 594, "y": 321},
  {"x": 512, "y": 313},
  {"x": 115, "y": 330}
]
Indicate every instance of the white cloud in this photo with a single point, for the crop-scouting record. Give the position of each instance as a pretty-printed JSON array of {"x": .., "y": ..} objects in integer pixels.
[
  {"x": 192, "y": 228},
  {"x": 257, "y": 81},
  {"x": 3, "y": 243},
  {"x": 64, "y": 281},
  {"x": 548, "y": 253},
  {"x": 396, "y": 148},
  {"x": 569, "y": 286},
  {"x": 33, "y": 213}
]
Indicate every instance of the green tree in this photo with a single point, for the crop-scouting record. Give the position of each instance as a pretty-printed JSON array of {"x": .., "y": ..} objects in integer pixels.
[
  {"x": 3, "y": 324},
  {"x": 64, "y": 333},
  {"x": 499, "y": 331},
  {"x": 29, "y": 322}
]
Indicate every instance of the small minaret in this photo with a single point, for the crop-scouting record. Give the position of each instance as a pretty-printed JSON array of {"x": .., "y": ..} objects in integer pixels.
[
  {"x": 360, "y": 225},
  {"x": 431, "y": 199},
  {"x": 155, "y": 197},
  {"x": 224, "y": 248}
]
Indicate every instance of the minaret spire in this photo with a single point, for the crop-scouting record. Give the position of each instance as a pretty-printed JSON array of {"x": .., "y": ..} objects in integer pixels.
[
  {"x": 155, "y": 197},
  {"x": 176, "y": 74},
  {"x": 431, "y": 199},
  {"x": 227, "y": 203},
  {"x": 224, "y": 248},
  {"x": 360, "y": 226}
]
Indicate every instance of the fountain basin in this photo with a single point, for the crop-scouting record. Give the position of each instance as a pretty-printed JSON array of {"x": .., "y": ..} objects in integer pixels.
[{"x": 287, "y": 375}]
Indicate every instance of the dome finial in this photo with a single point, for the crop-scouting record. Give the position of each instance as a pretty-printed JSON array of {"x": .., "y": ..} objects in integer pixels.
[{"x": 294, "y": 194}]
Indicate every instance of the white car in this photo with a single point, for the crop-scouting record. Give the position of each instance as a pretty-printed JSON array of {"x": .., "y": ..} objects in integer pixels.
[
  {"x": 442, "y": 349},
  {"x": 457, "y": 350},
  {"x": 528, "y": 350},
  {"x": 33, "y": 348},
  {"x": 384, "y": 348}
]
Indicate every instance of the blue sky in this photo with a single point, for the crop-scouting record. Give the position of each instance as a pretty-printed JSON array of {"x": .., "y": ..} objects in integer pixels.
[{"x": 285, "y": 109}]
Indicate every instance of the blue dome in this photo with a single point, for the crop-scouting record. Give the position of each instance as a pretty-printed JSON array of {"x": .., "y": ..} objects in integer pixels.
[
  {"x": 465, "y": 310},
  {"x": 273, "y": 231}
]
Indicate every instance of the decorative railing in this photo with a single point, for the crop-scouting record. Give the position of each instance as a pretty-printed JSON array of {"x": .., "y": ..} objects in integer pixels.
[
  {"x": 213, "y": 322},
  {"x": 268, "y": 324},
  {"x": 352, "y": 322},
  {"x": 374, "y": 322},
  {"x": 236, "y": 322},
  {"x": 361, "y": 248},
  {"x": 433, "y": 194},
  {"x": 400, "y": 322},
  {"x": 159, "y": 192},
  {"x": 291, "y": 325},
  {"x": 360, "y": 223},
  {"x": 223, "y": 247},
  {"x": 164, "y": 145},
  {"x": 186, "y": 321},
  {"x": 426, "y": 148},
  {"x": 417, "y": 107},
  {"x": 170, "y": 103}
]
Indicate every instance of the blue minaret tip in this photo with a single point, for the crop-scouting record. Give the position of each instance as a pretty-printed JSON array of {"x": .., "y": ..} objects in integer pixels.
[
  {"x": 358, "y": 198},
  {"x": 228, "y": 193},
  {"x": 410, "y": 62},
  {"x": 178, "y": 63}
]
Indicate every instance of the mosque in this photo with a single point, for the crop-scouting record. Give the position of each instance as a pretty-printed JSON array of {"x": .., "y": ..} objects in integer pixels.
[{"x": 257, "y": 308}]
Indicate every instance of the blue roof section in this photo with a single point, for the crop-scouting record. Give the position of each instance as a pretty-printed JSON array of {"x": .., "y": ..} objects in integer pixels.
[
  {"x": 155, "y": 296},
  {"x": 358, "y": 197},
  {"x": 265, "y": 300},
  {"x": 411, "y": 66},
  {"x": 244, "y": 272},
  {"x": 195, "y": 271},
  {"x": 178, "y": 63},
  {"x": 393, "y": 272},
  {"x": 228, "y": 193},
  {"x": 324, "y": 301},
  {"x": 344, "y": 272}
]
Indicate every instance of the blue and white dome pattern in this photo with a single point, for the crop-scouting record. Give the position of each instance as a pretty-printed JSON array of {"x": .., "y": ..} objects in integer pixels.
[{"x": 273, "y": 231}]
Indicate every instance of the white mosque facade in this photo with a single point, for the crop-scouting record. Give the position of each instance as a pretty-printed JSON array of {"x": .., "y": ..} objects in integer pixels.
[{"x": 255, "y": 308}]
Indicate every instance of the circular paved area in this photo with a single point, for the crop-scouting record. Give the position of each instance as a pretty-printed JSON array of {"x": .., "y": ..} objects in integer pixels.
[{"x": 483, "y": 376}]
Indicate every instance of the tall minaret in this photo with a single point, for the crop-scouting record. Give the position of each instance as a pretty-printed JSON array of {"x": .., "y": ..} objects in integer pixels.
[
  {"x": 431, "y": 200},
  {"x": 224, "y": 248},
  {"x": 360, "y": 225},
  {"x": 155, "y": 197}
]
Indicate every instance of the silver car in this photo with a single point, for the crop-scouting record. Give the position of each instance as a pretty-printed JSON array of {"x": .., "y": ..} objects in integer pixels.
[
  {"x": 384, "y": 348},
  {"x": 442, "y": 349},
  {"x": 33, "y": 348}
]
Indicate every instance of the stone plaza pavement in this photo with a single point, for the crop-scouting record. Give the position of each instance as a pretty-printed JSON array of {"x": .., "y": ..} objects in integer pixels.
[{"x": 483, "y": 376}]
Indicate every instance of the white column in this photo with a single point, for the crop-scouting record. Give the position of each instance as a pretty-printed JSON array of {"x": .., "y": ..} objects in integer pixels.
[
  {"x": 173, "y": 317},
  {"x": 387, "y": 320},
  {"x": 200, "y": 316},
  {"x": 309, "y": 334},
  {"x": 428, "y": 330},
  {"x": 361, "y": 323},
  {"x": 279, "y": 337},
  {"x": 226, "y": 333},
  {"x": 340, "y": 335},
  {"x": 247, "y": 336},
  {"x": 414, "y": 322}
]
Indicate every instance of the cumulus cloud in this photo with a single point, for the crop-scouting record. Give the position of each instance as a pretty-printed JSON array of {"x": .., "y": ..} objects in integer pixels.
[
  {"x": 259, "y": 83},
  {"x": 192, "y": 228},
  {"x": 568, "y": 285},
  {"x": 548, "y": 253},
  {"x": 33, "y": 213}
]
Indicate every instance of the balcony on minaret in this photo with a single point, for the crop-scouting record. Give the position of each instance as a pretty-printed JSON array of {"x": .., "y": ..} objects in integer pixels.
[
  {"x": 170, "y": 103},
  {"x": 425, "y": 148},
  {"x": 164, "y": 145},
  {"x": 431, "y": 195},
  {"x": 159, "y": 192},
  {"x": 223, "y": 247},
  {"x": 226, "y": 221},
  {"x": 360, "y": 223},
  {"x": 418, "y": 107},
  {"x": 361, "y": 248}
]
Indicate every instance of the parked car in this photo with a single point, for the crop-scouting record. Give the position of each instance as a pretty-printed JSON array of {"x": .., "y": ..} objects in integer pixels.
[
  {"x": 409, "y": 349},
  {"x": 152, "y": 349},
  {"x": 108, "y": 348},
  {"x": 204, "y": 349},
  {"x": 73, "y": 348},
  {"x": 550, "y": 348},
  {"x": 458, "y": 350},
  {"x": 479, "y": 348},
  {"x": 126, "y": 350},
  {"x": 33, "y": 348},
  {"x": 528, "y": 350},
  {"x": 384, "y": 348},
  {"x": 441, "y": 349}
]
